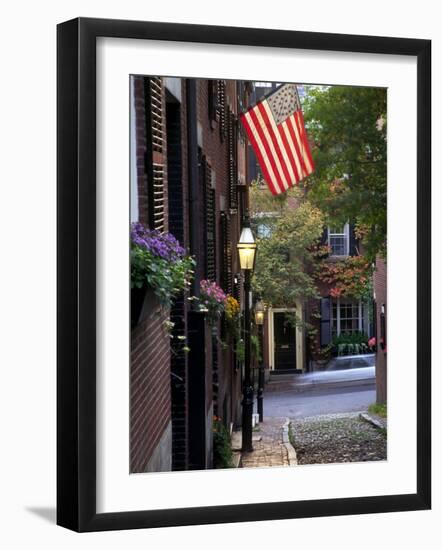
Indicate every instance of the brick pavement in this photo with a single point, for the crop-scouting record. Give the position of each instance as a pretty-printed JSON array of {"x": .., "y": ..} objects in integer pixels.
[{"x": 269, "y": 446}]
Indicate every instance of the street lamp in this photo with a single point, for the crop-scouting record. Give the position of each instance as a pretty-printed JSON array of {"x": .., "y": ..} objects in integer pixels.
[
  {"x": 259, "y": 313},
  {"x": 246, "y": 251},
  {"x": 246, "y": 248},
  {"x": 259, "y": 320}
]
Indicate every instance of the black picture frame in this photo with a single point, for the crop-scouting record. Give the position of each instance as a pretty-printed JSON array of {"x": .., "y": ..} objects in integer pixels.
[{"x": 76, "y": 295}]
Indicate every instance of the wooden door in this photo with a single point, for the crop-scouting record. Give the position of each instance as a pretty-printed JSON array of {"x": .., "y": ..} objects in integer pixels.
[{"x": 285, "y": 342}]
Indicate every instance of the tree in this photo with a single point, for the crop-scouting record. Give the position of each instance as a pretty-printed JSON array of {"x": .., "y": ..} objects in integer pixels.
[
  {"x": 348, "y": 128},
  {"x": 285, "y": 255}
]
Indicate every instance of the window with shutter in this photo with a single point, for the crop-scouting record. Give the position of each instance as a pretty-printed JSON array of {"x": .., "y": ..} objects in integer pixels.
[
  {"x": 156, "y": 109},
  {"x": 233, "y": 169},
  {"x": 212, "y": 89},
  {"x": 157, "y": 219},
  {"x": 241, "y": 107},
  {"x": 154, "y": 165},
  {"x": 240, "y": 96},
  {"x": 325, "y": 335},
  {"x": 354, "y": 242},
  {"x": 210, "y": 211},
  {"x": 226, "y": 280},
  {"x": 222, "y": 108}
]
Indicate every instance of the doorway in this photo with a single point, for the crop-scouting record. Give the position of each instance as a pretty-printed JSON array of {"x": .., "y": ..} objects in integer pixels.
[{"x": 284, "y": 342}]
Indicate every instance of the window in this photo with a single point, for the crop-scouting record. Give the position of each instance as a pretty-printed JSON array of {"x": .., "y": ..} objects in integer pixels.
[
  {"x": 212, "y": 91},
  {"x": 232, "y": 148},
  {"x": 348, "y": 317},
  {"x": 263, "y": 230},
  {"x": 263, "y": 223},
  {"x": 338, "y": 240},
  {"x": 154, "y": 169},
  {"x": 208, "y": 181}
]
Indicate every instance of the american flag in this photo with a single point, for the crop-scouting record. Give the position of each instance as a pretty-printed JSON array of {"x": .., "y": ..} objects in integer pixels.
[{"x": 275, "y": 127}]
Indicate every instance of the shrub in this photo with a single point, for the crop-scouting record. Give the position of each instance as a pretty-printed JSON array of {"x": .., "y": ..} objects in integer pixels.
[
  {"x": 222, "y": 446},
  {"x": 351, "y": 343}
]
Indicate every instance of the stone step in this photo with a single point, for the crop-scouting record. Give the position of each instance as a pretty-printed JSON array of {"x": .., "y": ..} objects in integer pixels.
[
  {"x": 237, "y": 440},
  {"x": 237, "y": 459}
]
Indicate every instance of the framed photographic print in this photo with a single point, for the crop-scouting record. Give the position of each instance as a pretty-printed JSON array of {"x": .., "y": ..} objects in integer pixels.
[{"x": 243, "y": 233}]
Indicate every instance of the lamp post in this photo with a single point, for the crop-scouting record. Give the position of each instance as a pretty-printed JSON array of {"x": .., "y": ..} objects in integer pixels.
[
  {"x": 246, "y": 251},
  {"x": 259, "y": 320}
]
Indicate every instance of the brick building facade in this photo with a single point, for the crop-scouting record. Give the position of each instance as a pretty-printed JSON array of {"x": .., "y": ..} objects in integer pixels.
[
  {"x": 380, "y": 298},
  {"x": 289, "y": 348},
  {"x": 188, "y": 174},
  {"x": 341, "y": 315}
]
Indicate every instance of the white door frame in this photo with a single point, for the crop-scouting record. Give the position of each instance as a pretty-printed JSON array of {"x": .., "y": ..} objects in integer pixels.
[{"x": 299, "y": 336}]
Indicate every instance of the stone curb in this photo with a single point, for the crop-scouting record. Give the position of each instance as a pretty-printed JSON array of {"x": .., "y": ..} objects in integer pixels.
[
  {"x": 371, "y": 420},
  {"x": 291, "y": 453}
]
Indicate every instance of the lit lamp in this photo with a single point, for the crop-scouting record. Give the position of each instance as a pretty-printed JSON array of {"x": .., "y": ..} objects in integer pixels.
[
  {"x": 246, "y": 251},
  {"x": 259, "y": 320},
  {"x": 259, "y": 313}
]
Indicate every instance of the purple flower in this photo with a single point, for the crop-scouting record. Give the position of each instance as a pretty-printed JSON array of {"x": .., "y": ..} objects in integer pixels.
[{"x": 163, "y": 245}]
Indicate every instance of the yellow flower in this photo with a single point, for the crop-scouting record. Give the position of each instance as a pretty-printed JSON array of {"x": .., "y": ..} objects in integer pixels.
[{"x": 232, "y": 307}]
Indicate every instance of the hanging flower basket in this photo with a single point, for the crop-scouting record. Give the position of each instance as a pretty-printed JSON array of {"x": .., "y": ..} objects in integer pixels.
[
  {"x": 212, "y": 300},
  {"x": 158, "y": 264}
]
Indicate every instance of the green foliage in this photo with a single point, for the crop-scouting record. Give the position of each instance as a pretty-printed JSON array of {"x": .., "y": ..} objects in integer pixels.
[
  {"x": 353, "y": 343},
  {"x": 323, "y": 353},
  {"x": 240, "y": 350},
  {"x": 357, "y": 337},
  {"x": 283, "y": 264},
  {"x": 378, "y": 408},
  {"x": 167, "y": 278},
  {"x": 255, "y": 346},
  {"x": 349, "y": 130},
  {"x": 222, "y": 446}
]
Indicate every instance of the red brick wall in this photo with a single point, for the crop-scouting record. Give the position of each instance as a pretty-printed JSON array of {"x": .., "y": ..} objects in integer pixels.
[
  {"x": 380, "y": 290},
  {"x": 215, "y": 148},
  {"x": 214, "y": 152},
  {"x": 150, "y": 393},
  {"x": 150, "y": 400}
]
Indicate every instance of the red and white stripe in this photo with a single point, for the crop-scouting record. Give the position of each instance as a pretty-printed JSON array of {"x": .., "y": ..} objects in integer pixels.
[{"x": 282, "y": 150}]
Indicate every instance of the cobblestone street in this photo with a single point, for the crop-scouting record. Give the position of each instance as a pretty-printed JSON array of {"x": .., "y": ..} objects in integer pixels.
[
  {"x": 337, "y": 438},
  {"x": 269, "y": 446}
]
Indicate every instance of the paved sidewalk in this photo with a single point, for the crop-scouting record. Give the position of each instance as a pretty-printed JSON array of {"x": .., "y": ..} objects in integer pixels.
[{"x": 270, "y": 445}]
